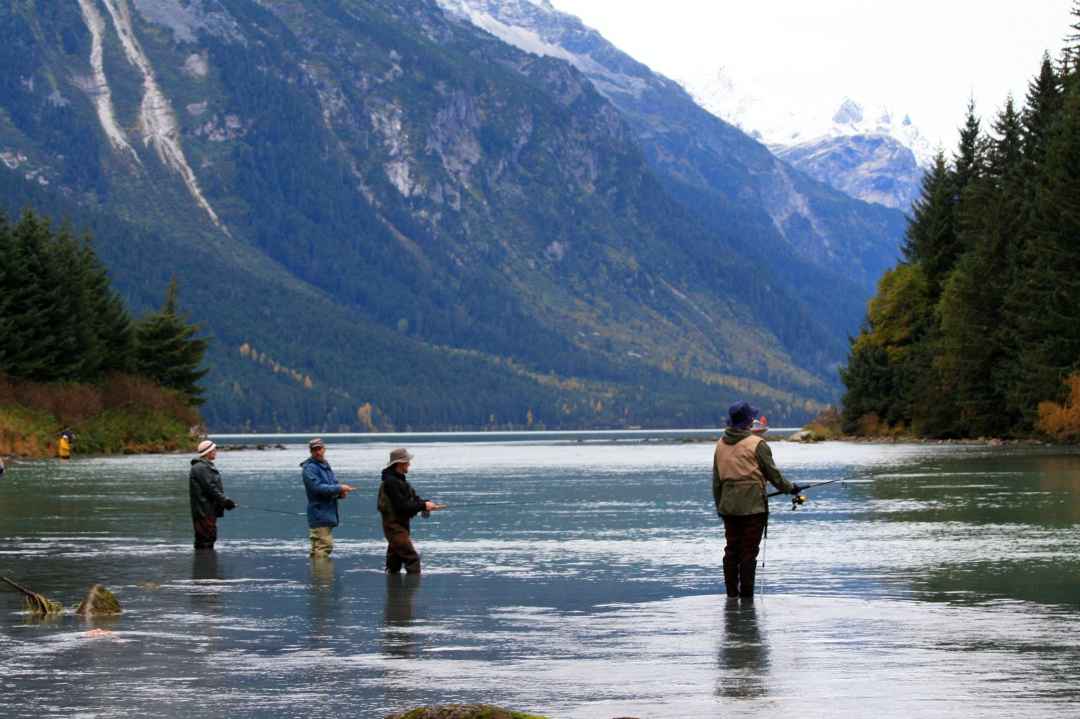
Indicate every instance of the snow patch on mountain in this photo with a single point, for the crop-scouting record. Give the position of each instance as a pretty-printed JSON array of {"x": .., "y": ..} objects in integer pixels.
[
  {"x": 780, "y": 125},
  {"x": 521, "y": 23}
]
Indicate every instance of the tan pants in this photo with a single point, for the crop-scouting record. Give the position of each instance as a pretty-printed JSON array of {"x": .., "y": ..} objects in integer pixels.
[{"x": 322, "y": 541}]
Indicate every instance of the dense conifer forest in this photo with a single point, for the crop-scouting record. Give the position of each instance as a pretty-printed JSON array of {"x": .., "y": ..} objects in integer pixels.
[
  {"x": 71, "y": 354},
  {"x": 977, "y": 331}
]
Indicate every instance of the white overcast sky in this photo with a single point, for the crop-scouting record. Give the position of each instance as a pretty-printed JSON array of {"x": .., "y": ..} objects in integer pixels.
[{"x": 919, "y": 57}]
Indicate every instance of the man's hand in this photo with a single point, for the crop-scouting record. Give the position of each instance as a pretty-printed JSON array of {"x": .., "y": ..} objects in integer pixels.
[
  {"x": 345, "y": 489},
  {"x": 430, "y": 506},
  {"x": 796, "y": 489}
]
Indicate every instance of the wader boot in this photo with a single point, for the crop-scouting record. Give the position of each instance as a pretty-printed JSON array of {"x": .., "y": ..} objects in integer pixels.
[
  {"x": 731, "y": 576},
  {"x": 747, "y": 570}
]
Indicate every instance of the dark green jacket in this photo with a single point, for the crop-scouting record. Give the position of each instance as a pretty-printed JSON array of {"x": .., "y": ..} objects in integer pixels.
[
  {"x": 206, "y": 490},
  {"x": 743, "y": 498}
]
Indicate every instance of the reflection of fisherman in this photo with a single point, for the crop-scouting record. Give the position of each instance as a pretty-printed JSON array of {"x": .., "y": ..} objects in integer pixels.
[
  {"x": 323, "y": 491},
  {"x": 399, "y": 503},
  {"x": 398, "y": 615},
  {"x": 65, "y": 443},
  {"x": 743, "y": 656},
  {"x": 1, "y": 466},
  {"x": 208, "y": 500},
  {"x": 742, "y": 463}
]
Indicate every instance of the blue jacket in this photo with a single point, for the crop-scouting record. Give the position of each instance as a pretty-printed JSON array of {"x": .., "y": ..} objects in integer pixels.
[{"x": 323, "y": 491}]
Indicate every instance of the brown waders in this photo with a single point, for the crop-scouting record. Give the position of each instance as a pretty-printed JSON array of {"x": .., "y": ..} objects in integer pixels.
[
  {"x": 400, "y": 551},
  {"x": 205, "y": 532},
  {"x": 743, "y": 534}
]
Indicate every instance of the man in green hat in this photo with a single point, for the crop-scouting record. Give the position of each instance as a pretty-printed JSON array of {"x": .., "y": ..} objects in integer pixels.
[{"x": 742, "y": 465}]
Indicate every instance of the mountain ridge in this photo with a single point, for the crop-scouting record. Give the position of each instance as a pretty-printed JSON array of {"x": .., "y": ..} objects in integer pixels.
[{"x": 414, "y": 185}]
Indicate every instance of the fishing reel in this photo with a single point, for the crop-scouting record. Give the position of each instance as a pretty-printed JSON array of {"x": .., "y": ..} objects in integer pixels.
[{"x": 797, "y": 501}]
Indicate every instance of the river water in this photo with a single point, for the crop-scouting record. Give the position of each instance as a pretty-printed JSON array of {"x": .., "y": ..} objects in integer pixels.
[{"x": 935, "y": 581}]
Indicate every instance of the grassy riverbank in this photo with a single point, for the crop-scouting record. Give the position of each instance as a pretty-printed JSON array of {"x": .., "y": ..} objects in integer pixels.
[{"x": 122, "y": 415}]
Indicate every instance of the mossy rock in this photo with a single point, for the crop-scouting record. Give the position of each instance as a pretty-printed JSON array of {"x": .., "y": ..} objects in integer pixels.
[
  {"x": 463, "y": 711},
  {"x": 99, "y": 602}
]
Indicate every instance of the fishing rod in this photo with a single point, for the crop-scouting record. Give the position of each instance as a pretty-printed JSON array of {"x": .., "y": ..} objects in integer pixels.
[
  {"x": 800, "y": 499},
  {"x": 478, "y": 504},
  {"x": 272, "y": 511}
]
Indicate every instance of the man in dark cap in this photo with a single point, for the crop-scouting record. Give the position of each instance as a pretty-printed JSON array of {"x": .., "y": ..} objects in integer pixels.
[
  {"x": 207, "y": 495},
  {"x": 742, "y": 464},
  {"x": 323, "y": 492},
  {"x": 399, "y": 503}
]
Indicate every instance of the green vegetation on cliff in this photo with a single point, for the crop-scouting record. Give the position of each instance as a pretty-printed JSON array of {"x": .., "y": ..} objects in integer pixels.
[{"x": 980, "y": 323}]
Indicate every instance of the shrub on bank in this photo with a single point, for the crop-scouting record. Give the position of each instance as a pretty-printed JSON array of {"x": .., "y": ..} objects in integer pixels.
[
  {"x": 1062, "y": 421},
  {"x": 124, "y": 414}
]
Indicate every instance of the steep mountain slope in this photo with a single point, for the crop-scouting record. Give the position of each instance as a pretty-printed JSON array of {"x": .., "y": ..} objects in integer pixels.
[
  {"x": 384, "y": 216},
  {"x": 828, "y": 248}
]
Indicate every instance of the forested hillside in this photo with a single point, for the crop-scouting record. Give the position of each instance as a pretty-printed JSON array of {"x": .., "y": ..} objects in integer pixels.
[
  {"x": 976, "y": 332},
  {"x": 385, "y": 218}
]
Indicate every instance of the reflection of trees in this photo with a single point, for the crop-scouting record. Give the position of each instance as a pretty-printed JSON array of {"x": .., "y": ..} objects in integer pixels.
[
  {"x": 1037, "y": 489},
  {"x": 1061, "y": 476},
  {"x": 398, "y": 615},
  {"x": 743, "y": 656}
]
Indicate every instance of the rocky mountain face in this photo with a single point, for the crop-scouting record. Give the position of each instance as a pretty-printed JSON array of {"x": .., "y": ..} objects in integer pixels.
[
  {"x": 875, "y": 156},
  {"x": 874, "y": 168},
  {"x": 386, "y": 218},
  {"x": 828, "y": 248}
]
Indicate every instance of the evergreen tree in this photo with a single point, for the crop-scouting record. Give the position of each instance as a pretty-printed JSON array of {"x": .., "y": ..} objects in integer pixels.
[
  {"x": 167, "y": 350},
  {"x": 111, "y": 321},
  {"x": 969, "y": 155},
  {"x": 1047, "y": 290},
  {"x": 37, "y": 345},
  {"x": 931, "y": 239},
  {"x": 1040, "y": 110},
  {"x": 7, "y": 287},
  {"x": 77, "y": 321}
]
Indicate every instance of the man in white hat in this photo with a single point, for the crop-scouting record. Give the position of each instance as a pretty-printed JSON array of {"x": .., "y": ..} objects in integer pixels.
[
  {"x": 399, "y": 503},
  {"x": 208, "y": 500}
]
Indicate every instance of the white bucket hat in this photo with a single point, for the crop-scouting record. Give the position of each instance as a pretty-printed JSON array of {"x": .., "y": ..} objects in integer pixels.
[{"x": 206, "y": 447}]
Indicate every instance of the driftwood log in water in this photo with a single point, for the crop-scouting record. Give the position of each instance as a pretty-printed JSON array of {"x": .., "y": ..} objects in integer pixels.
[
  {"x": 467, "y": 711},
  {"x": 99, "y": 602},
  {"x": 463, "y": 711},
  {"x": 36, "y": 603}
]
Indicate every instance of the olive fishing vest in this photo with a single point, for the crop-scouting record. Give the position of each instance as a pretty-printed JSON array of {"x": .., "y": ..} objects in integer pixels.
[{"x": 738, "y": 482}]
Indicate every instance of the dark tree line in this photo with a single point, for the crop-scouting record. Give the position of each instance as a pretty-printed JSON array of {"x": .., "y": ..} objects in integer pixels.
[
  {"x": 62, "y": 321},
  {"x": 980, "y": 322}
]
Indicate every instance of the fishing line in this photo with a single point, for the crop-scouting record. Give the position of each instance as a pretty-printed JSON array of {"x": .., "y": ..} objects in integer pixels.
[{"x": 272, "y": 511}]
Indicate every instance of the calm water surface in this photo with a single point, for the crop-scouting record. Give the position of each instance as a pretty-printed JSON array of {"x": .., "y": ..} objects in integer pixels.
[{"x": 935, "y": 581}]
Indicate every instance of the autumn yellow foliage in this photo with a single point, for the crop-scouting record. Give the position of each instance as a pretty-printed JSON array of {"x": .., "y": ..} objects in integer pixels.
[{"x": 1062, "y": 421}]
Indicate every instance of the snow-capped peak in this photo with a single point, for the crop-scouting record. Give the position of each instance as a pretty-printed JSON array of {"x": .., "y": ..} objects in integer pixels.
[{"x": 778, "y": 124}]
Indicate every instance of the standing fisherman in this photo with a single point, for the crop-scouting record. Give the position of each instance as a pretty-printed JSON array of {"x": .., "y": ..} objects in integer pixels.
[
  {"x": 742, "y": 463},
  {"x": 399, "y": 503},
  {"x": 208, "y": 500},
  {"x": 323, "y": 491}
]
